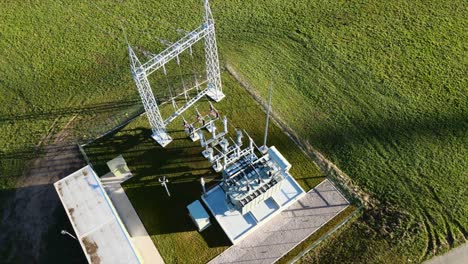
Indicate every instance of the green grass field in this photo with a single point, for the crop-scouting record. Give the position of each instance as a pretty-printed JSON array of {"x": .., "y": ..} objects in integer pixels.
[{"x": 378, "y": 87}]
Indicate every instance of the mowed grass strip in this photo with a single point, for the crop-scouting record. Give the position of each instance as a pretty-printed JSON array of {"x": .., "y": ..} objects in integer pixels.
[{"x": 166, "y": 218}]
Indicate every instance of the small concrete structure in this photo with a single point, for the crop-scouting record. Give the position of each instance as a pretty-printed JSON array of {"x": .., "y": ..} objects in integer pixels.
[
  {"x": 118, "y": 167},
  {"x": 104, "y": 220},
  {"x": 199, "y": 215}
]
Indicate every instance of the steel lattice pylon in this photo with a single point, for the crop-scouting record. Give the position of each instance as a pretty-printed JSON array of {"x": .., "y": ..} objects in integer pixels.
[
  {"x": 149, "y": 102},
  {"x": 211, "y": 56},
  {"x": 141, "y": 71}
]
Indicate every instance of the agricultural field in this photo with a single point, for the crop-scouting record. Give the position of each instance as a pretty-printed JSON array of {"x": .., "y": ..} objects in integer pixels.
[{"x": 379, "y": 88}]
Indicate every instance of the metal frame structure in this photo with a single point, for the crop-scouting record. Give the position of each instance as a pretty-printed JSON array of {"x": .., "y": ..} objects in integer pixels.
[
  {"x": 140, "y": 73},
  {"x": 226, "y": 155}
]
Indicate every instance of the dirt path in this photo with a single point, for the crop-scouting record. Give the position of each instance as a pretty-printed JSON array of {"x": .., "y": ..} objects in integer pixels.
[{"x": 30, "y": 213}]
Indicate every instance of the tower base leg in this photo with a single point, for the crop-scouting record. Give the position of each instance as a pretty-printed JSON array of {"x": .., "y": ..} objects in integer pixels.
[
  {"x": 215, "y": 95},
  {"x": 194, "y": 137},
  {"x": 162, "y": 138},
  {"x": 263, "y": 149},
  {"x": 210, "y": 128}
]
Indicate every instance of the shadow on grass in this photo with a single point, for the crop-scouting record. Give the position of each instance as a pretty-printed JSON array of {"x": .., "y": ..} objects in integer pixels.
[
  {"x": 183, "y": 165},
  {"x": 166, "y": 215},
  {"x": 389, "y": 130},
  {"x": 68, "y": 111},
  {"x": 214, "y": 236}
]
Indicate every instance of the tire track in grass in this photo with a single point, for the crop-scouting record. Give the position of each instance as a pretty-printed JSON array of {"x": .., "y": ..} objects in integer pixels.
[
  {"x": 450, "y": 237},
  {"x": 414, "y": 188},
  {"x": 460, "y": 226},
  {"x": 448, "y": 218},
  {"x": 430, "y": 239},
  {"x": 434, "y": 238}
]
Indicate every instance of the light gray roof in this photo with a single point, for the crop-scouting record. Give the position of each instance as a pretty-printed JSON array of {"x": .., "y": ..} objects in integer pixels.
[{"x": 94, "y": 219}]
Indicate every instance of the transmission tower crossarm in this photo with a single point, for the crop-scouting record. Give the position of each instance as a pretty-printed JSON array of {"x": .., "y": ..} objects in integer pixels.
[
  {"x": 177, "y": 48},
  {"x": 185, "y": 107}
]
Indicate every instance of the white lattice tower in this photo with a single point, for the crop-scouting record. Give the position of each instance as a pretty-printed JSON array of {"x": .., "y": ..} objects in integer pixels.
[
  {"x": 149, "y": 102},
  {"x": 211, "y": 56},
  {"x": 141, "y": 72}
]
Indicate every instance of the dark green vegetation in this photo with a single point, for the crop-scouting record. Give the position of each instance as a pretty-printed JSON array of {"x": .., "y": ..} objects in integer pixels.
[
  {"x": 166, "y": 219},
  {"x": 379, "y": 87}
]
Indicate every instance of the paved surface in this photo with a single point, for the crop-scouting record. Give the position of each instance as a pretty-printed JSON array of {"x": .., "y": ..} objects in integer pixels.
[
  {"x": 458, "y": 255},
  {"x": 31, "y": 216},
  {"x": 140, "y": 238},
  {"x": 289, "y": 228}
]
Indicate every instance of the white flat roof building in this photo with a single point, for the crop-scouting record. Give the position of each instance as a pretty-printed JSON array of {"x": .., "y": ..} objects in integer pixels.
[{"x": 95, "y": 221}]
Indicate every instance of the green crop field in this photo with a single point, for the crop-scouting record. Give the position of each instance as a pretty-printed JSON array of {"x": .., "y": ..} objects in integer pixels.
[{"x": 378, "y": 87}]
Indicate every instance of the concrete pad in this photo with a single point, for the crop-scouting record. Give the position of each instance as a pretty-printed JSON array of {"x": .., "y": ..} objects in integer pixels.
[
  {"x": 286, "y": 230},
  {"x": 238, "y": 226},
  {"x": 94, "y": 219},
  {"x": 233, "y": 223},
  {"x": 263, "y": 210},
  {"x": 457, "y": 255},
  {"x": 289, "y": 191}
]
